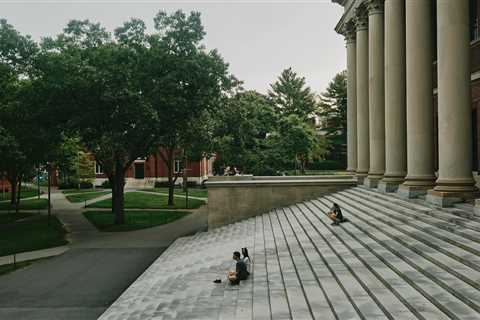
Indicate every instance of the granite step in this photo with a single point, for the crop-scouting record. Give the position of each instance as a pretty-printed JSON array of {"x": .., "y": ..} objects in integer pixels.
[
  {"x": 418, "y": 266},
  {"x": 395, "y": 259}
]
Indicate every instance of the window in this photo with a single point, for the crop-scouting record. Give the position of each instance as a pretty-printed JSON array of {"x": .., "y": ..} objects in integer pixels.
[
  {"x": 178, "y": 166},
  {"x": 98, "y": 168}
]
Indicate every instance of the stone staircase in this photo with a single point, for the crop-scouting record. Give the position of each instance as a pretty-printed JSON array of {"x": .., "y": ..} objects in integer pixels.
[{"x": 394, "y": 259}]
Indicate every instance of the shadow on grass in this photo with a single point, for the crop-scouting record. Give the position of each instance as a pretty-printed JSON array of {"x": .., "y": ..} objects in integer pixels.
[
  {"x": 30, "y": 234},
  {"x": 134, "y": 220},
  {"x": 140, "y": 200}
]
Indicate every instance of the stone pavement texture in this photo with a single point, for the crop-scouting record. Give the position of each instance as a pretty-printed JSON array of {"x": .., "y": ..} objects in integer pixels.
[
  {"x": 394, "y": 259},
  {"x": 98, "y": 266}
]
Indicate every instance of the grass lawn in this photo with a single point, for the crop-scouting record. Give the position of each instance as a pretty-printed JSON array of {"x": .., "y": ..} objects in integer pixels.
[
  {"x": 32, "y": 204},
  {"x": 139, "y": 200},
  {"x": 8, "y": 217},
  {"x": 70, "y": 191},
  {"x": 81, "y": 197},
  {"x": 25, "y": 193},
  {"x": 31, "y": 234},
  {"x": 134, "y": 220},
  {"x": 194, "y": 192}
]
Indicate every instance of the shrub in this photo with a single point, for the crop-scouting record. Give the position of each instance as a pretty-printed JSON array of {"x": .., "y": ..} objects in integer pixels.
[
  {"x": 106, "y": 184},
  {"x": 86, "y": 185},
  {"x": 67, "y": 185},
  {"x": 325, "y": 165}
]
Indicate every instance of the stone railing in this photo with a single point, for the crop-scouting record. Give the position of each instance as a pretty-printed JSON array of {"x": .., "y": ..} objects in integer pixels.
[{"x": 234, "y": 200}]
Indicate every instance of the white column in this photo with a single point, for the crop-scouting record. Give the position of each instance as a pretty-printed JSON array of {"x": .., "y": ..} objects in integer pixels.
[
  {"x": 419, "y": 74},
  {"x": 455, "y": 181},
  {"x": 395, "y": 108},
  {"x": 363, "y": 149},
  {"x": 376, "y": 92},
  {"x": 351, "y": 99}
]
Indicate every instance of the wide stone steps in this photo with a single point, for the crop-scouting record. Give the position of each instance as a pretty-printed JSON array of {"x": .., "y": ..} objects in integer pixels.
[{"x": 394, "y": 259}]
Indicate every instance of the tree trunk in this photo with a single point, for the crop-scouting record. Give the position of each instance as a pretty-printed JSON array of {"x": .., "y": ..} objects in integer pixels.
[
  {"x": 185, "y": 173},
  {"x": 13, "y": 189},
  {"x": 117, "y": 194},
  {"x": 17, "y": 204},
  {"x": 171, "y": 181}
]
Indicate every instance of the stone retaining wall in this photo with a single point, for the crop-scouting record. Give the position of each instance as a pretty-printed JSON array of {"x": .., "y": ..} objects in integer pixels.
[{"x": 231, "y": 201}]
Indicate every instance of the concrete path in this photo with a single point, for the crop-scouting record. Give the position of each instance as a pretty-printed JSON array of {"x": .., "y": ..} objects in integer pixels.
[
  {"x": 82, "y": 282},
  {"x": 33, "y": 255}
]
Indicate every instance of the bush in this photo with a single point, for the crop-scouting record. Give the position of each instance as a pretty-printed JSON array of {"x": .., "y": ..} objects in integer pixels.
[
  {"x": 161, "y": 184},
  {"x": 86, "y": 185},
  {"x": 67, "y": 185},
  {"x": 325, "y": 165},
  {"x": 106, "y": 184}
]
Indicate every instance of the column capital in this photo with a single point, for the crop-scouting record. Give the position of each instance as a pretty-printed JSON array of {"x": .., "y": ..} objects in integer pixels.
[
  {"x": 361, "y": 18},
  {"x": 375, "y": 6},
  {"x": 349, "y": 31}
]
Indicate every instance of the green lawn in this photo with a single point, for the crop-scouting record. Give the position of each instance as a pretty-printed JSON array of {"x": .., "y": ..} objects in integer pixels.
[
  {"x": 70, "y": 191},
  {"x": 134, "y": 220},
  {"x": 194, "y": 192},
  {"x": 25, "y": 193},
  {"x": 139, "y": 200},
  {"x": 81, "y": 197},
  {"x": 32, "y": 204},
  {"x": 11, "y": 216},
  {"x": 31, "y": 234}
]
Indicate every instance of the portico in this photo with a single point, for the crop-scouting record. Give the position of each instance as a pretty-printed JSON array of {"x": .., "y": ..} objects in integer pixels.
[{"x": 400, "y": 53}]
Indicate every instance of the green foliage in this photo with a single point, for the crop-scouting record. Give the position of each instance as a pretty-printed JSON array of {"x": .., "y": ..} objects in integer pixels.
[
  {"x": 290, "y": 95},
  {"x": 333, "y": 111}
]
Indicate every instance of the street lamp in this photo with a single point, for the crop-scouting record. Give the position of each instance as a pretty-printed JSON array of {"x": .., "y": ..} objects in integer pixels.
[{"x": 49, "y": 173}]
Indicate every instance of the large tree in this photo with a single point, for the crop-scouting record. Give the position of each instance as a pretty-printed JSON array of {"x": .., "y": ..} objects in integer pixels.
[
  {"x": 290, "y": 95},
  {"x": 333, "y": 111},
  {"x": 26, "y": 139},
  {"x": 96, "y": 81},
  {"x": 183, "y": 81}
]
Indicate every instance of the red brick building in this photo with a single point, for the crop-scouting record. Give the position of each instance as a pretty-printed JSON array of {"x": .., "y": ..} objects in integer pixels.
[{"x": 144, "y": 172}]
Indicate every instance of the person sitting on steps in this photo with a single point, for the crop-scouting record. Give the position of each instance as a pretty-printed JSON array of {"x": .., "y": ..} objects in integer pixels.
[
  {"x": 246, "y": 260},
  {"x": 336, "y": 215},
  {"x": 240, "y": 272}
]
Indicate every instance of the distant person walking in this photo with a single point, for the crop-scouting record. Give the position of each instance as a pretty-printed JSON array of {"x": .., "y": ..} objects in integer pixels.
[{"x": 336, "y": 214}]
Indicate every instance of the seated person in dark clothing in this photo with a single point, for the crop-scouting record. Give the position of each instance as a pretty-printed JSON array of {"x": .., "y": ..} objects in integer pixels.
[
  {"x": 240, "y": 272},
  {"x": 336, "y": 215}
]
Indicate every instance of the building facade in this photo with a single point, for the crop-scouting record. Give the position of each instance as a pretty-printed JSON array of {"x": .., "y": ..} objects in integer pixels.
[
  {"x": 145, "y": 172},
  {"x": 413, "y": 91}
]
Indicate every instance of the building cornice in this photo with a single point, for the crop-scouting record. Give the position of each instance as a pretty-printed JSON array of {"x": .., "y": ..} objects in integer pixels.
[{"x": 349, "y": 14}]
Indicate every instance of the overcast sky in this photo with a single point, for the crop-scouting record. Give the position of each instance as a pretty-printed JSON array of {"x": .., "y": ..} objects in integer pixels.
[{"x": 258, "y": 38}]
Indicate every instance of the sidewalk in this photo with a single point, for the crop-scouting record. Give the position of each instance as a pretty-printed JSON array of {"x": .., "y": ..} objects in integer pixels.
[{"x": 33, "y": 255}]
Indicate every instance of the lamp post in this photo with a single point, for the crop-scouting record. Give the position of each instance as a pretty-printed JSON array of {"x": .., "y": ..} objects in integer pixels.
[{"x": 49, "y": 173}]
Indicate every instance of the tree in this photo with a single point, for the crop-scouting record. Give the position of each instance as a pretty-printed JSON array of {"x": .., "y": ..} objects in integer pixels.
[
  {"x": 98, "y": 82},
  {"x": 26, "y": 140},
  {"x": 183, "y": 80},
  {"x": 243, "y": 124},
  {"x": 290, "y": 95},
  {"x": 333, "y": 110}
]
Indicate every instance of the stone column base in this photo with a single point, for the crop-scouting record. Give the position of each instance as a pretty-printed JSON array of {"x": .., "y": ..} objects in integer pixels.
[
  {"x": 390, "y": 183},
  {"x": 415, "y": 186},
  {"x": 386, "y": 186},
  {"x": 371, "y": 181},
  {"x": 447, "y": 193},
  {"x": 361, "y": 177}
]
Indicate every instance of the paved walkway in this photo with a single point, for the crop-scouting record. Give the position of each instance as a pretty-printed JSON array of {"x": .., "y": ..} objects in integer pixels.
[
  {"x": 394, "y": 259},
  {"x": 84, "y": 280}
]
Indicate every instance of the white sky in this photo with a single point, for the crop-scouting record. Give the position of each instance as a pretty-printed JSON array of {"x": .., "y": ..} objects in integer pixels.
[{"x": 258, "y": 38}]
